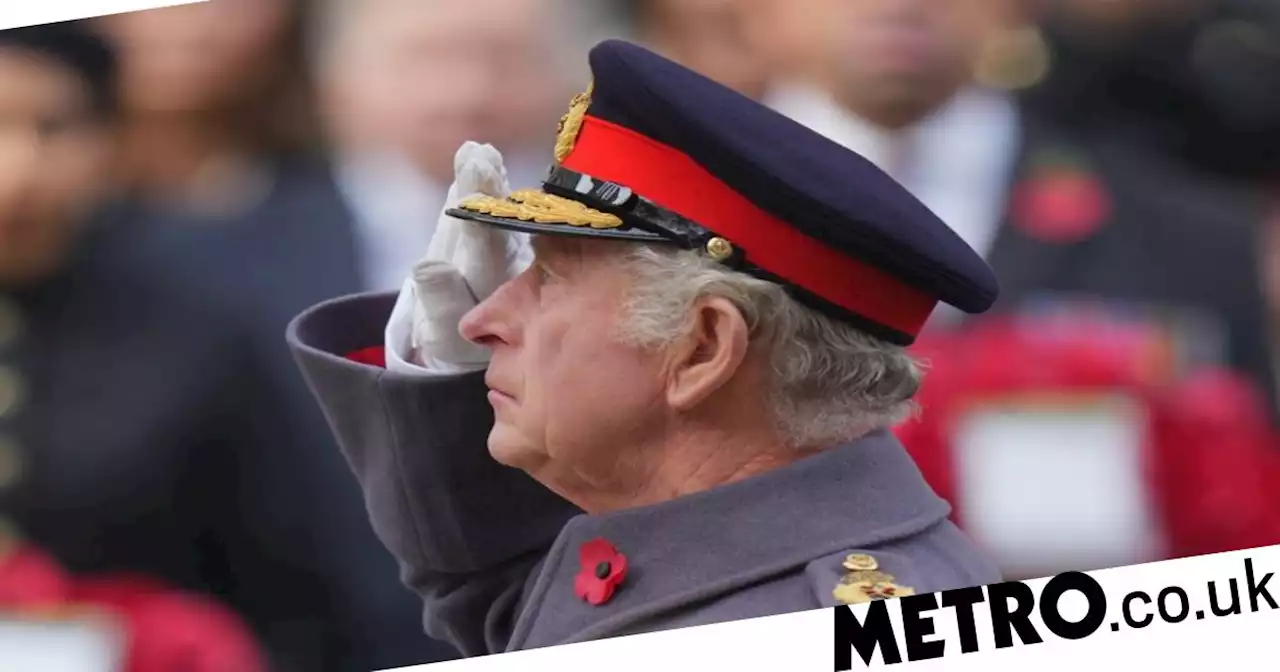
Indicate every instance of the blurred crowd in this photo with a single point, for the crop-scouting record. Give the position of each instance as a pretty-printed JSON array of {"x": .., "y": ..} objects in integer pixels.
[{"x": 177, "y": 184}]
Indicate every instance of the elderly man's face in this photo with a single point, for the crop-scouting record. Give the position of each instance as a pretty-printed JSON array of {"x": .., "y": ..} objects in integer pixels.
[
  {"x": 54, "y": 158},
  {"x": 564, "y": 388}
]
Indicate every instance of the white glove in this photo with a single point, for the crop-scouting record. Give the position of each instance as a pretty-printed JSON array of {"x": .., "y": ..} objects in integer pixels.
[{"x": 465, "y": 263}]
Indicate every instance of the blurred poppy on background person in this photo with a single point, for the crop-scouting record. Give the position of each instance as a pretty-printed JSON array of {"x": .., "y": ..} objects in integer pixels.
[{"x": 1062, "y": 202}]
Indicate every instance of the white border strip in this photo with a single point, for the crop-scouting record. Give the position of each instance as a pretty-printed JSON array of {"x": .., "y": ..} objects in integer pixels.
[
  {"x": 18, "y": 13},
  {"x": 1190, "y": 635}
]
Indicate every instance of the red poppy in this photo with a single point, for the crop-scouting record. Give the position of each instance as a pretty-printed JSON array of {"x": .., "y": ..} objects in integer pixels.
[
  {"x": 603, "y": 568},
  {"x": 1061, "y": 205}
]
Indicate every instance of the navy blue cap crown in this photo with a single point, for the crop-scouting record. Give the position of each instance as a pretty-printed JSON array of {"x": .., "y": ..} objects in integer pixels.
[{"x": 655, "y": 152}]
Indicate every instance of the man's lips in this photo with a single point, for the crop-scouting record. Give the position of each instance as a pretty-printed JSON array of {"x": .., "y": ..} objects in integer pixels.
[
  {"x": 496, "y": 391},
  {"x": 902, "y": 43},
  {"x": 497, "y": 397}
]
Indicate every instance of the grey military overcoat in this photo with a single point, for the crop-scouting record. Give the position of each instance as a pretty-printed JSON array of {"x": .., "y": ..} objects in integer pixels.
[{"x": 494, "y": 555}]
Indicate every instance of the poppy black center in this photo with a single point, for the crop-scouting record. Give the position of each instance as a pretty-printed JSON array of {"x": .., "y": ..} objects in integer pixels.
[{"x": 602, "y": 570}]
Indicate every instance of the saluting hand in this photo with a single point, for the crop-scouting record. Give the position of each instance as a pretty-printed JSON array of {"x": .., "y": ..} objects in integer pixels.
[{"x": 464, "y": 264}]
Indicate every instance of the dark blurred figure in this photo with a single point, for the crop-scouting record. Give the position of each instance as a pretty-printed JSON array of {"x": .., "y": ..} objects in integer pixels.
[
  {"x": 402, "y": 84},
  {"x": 1195, "y": 80},
  {"x": 137, "y": 431},
  {"x": 704, "y": 35},
  {"x": 213, "y": 95},
  {"x": 1060, "y": 212},
  {"x": 228, "y": 204},
  {"x": 58, "y": 141}
]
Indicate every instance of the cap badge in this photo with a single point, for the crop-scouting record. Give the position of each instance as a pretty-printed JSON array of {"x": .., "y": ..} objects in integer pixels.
[
  {"x": 864, "y": 583},
  {"x": 719, "y": 249},
  {"x": 571, "y": 123},
  {"x": 531, "y": 205}
]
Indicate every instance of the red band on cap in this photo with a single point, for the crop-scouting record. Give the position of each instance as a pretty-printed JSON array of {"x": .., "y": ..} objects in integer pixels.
[{"x": 671, "y": 179}]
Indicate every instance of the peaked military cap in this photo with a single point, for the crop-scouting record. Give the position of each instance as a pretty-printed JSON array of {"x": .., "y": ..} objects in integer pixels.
[{"x": 653, "y": 152}]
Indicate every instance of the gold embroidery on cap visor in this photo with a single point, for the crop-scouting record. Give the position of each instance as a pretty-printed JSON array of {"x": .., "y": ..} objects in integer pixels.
[
  {"x": 571, "y": 123},
  {"x": 531, "y": 205}
]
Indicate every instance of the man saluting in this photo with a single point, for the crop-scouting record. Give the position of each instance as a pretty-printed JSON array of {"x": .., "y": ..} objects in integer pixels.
[{"x": 693, "y": 378}]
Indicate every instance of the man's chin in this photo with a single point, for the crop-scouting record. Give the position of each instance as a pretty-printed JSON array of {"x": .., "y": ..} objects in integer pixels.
[{"x": 509, "y": 449}]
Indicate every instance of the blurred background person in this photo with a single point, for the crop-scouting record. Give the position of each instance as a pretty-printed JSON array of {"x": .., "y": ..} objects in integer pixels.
[
  {"x": 59, "y": 139},
  {"x": 1111, "y": 250},
  {"x": 933, "y": 93},
  {"x": 1195, "y": 80},
  {"x": 228, "y": 203},
  {"x": 403, "y": 83},
  {"x": 704, "y": 35},
  {"x": 138, "y": 430},
  {"x": 213, "y": 96},
  {"x": 781, "y": 36}
]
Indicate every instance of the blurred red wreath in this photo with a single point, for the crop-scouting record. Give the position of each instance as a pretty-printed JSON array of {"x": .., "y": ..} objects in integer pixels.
[
  {"x": 166, "y": 629},
  {"x": 1210, "y": 458}
]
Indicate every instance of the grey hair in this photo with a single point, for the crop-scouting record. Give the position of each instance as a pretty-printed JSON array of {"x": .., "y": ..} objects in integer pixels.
[{"x": 829, "y": 382}]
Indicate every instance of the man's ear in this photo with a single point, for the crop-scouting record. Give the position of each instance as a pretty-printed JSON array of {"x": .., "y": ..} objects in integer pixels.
[{"x": 710, "y": 355}]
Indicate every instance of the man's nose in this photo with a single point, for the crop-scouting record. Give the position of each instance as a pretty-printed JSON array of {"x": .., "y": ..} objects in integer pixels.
[{"x": 492, "y": 321}]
